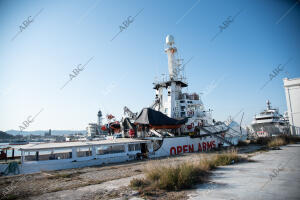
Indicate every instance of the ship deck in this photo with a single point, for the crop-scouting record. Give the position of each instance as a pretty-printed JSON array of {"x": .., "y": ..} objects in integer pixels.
[{"x": 31, "y": 147}]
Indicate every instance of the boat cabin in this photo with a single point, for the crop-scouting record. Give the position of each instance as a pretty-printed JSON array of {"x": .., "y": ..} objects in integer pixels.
[{"x": 54, "y": 156}]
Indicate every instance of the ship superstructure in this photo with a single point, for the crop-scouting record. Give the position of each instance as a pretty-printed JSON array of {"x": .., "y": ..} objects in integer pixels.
[
  {"x": 178, "y": 104},
  {"x": 172, "y": 83},
  {"x": 269, "y": 123}
]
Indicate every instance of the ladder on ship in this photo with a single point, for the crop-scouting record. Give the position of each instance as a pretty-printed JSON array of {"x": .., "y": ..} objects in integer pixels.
[
  {"x": 215, "y": 134},
  {"x": 235, "y": 133}
]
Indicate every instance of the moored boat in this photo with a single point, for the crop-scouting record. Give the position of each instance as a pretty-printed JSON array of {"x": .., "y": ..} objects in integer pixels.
[
  {"x": 177, "y": 122},
  {"x": 269, "y": 123}
]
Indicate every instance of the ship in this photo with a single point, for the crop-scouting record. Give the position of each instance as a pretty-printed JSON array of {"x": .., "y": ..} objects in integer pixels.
[
  {"x": 270, "y": 123},
  {"x": 176, "y": 119},
  {"x": 177, "y": 122}
]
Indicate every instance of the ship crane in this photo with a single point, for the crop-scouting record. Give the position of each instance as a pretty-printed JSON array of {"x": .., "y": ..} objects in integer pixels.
[{"x": 130, "y": 114}]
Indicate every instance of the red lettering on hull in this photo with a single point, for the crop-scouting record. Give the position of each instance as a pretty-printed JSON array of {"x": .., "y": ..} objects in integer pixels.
[
  {"x": 204, "y": 146},
  {"x": 209, "y": 145},
  {"x": 185, "y": 148},
  {"x": 190, "y": 148},
  {"x": 179, "y": 149},
  {"x": 199, "y": 147},
  {"x": 213, "y": 144},
  {"x": 171, "y": 151}
]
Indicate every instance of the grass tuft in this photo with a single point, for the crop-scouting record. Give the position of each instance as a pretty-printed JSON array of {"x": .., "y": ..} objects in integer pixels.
[
  {"x": 138, "y": 183},
  {"x": 64, "y": 175},
  {"x": 225, "y": 159},
  {"x": 179, "y": 176},
  {"x": 261, "y": 140},
  {"x": 291, "y": 139},
  {"x": 276, "y": 142},
  {"x": 282, "y": 140},
  {"x": 174, "y": 176}
]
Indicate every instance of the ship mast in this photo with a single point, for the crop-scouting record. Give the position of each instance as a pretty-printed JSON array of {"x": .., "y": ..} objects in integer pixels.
[
  {"x": 268, "y": 105},
  {"x": 173, "y": 83},
  {"x": 171, "y": 50}
]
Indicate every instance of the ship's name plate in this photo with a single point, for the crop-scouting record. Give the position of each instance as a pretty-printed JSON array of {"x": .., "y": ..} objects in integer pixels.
[{"x": 204, "y": 146}]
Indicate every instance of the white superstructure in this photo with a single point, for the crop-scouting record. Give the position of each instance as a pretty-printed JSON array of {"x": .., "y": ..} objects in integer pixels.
[
  {"x": 178, "y": 104},
  {"x": 56, "y": 156},
  {"x": 173, "y": 83},
  {"x": 269, "y": 123},
  {"x": 292, "y": 94},
  {"x": 92, "y": 129}
]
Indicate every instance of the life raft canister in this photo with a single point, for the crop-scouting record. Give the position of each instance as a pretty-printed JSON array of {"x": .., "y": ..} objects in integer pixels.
[
  {"x": 103, "y": 128},
  {"x": 190, "y": 126},
  {"x": 131, "y": 132}
]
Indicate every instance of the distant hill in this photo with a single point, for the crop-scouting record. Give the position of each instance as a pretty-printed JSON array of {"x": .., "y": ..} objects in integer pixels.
[
  {"x": 42, "y": 132},
  {"x": 4, "y": 136}
]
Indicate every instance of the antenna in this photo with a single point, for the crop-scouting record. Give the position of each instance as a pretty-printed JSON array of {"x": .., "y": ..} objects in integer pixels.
[{"x": 241, "y": 122}]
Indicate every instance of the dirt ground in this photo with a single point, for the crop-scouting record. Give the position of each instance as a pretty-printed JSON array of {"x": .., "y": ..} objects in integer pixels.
[{"x": 97, "y": 182}]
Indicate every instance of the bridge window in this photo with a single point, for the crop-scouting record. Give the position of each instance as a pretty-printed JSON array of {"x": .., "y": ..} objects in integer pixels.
[
  {"x": 84, "y": 151},
  {"x": 110, "y": 149},
  {"x": 134, "y": 147},
  {"x": 43, "y": 155}
]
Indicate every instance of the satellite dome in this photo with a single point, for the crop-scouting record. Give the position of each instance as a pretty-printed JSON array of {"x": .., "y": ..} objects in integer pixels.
[{"x": 169, "y": 40}]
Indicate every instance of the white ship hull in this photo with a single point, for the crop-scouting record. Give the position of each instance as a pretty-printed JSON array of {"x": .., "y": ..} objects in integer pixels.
[
  {"x": 180, "y": 145},
  {"x": 157, "y": 147},
  {"x": 269, "y": 129}
]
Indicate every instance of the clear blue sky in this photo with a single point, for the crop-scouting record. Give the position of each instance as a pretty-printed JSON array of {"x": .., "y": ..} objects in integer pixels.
[{"x": 231, "y": 69}]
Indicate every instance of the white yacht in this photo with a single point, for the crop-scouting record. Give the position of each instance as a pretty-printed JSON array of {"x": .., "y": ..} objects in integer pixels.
[{"x": 269, "y": 123}]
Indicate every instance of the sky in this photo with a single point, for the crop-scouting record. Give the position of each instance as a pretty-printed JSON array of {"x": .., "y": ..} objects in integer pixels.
[{"x": 47, "y": 44}]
